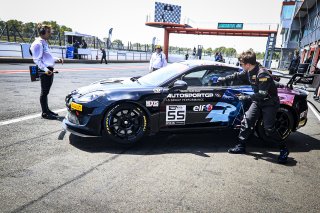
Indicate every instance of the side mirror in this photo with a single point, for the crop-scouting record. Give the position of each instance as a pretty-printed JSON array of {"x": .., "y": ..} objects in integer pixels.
[{"x": 179, "y": 85}]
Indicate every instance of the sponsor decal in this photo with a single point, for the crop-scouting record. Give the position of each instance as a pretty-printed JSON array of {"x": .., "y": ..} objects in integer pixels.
[
  {"x": 218, "y": 95},
  {"x": 144, "y": 123},
  {"x": 190, "y": 95},
  {"x": 227, "y": 97},
  {"x": 191, "y": 90},
  {"x": 157, "y": 90},
  {"x": 263, "y": 79},
  {"x": 76, "y": 106},
  {"x": 184, "y": 97},
  {"x": 175, "y": 114},
  {"x": 202, "y": 108},
  {"x": 152, "y": 103},
  {"x": 221, "y": 115}
]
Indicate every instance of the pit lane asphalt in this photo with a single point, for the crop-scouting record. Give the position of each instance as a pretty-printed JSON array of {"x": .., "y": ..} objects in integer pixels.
[{"x": 165, "y": 173}]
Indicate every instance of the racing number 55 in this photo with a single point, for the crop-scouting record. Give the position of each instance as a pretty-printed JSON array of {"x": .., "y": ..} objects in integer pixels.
[{"x": 175, "y": 114}]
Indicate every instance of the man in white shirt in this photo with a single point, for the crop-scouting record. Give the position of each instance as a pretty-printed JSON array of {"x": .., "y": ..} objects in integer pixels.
[
  {"x": 45, "y": 61},
  {"x": 158, "y": 59}
]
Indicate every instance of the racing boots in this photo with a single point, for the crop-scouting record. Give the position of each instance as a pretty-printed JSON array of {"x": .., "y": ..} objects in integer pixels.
[
  {"x": 283, "y": 157},
  {"x": 238, "y": 149},
  {"x": 53, "y": 113},
  {"x": 48, "y": 116}
]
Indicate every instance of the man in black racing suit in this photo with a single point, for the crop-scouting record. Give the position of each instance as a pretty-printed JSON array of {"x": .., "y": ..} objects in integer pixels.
[{"x": 265, "y": 100}]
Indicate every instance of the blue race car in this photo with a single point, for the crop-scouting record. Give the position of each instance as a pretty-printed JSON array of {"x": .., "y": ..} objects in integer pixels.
[{"x": 179, "y": 97}]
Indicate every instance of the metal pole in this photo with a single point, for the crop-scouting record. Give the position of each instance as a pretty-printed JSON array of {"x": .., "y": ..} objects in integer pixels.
[
  {"x": 166, "y": 43},
  {"x": 21, "y": 51},
  {"x": 59, "y": 38}
]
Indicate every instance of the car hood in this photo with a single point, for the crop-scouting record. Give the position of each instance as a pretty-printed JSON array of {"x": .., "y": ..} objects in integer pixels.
[{"x": 108, "y": 85}]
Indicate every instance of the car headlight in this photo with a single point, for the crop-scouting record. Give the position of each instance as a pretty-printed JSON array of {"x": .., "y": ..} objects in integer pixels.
[{"x": 90, "y": 96}]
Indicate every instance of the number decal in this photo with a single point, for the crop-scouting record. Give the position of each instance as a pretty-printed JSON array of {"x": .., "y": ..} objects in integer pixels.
[{"x": 175, "y": 114}]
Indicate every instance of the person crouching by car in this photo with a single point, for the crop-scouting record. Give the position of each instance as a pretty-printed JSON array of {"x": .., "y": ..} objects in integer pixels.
[
  {"x": 158, "y": 59},
  {"x": 45, "y": 61},
  {"x": 264, "y": 101}
]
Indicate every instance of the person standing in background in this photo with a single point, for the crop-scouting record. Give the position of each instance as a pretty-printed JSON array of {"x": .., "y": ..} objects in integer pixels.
[
  {"x": 104, "y": 56},
  {"x": 158, "y": 59},
  {"x": 294, "y": 64},
  {"x": 84, "y": 44}
]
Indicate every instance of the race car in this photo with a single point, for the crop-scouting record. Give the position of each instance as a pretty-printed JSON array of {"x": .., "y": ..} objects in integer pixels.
[{"x": 178, "y": 97}]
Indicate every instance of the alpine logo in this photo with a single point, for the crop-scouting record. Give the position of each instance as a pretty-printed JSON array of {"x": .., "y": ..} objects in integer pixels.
[{"x": 202, "y": 108}]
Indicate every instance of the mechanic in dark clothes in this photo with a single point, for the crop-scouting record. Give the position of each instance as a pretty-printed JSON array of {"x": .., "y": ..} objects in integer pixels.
[{"x": 265, "y": 100}]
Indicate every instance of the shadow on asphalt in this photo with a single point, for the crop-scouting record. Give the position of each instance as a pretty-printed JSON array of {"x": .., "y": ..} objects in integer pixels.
[{"x": 199, "y": 144}]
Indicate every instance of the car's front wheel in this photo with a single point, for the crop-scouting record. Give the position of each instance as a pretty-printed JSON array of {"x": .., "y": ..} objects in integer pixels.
[
  {"x": 284, "y": 125},
  {"x": 125, "y": 123}
]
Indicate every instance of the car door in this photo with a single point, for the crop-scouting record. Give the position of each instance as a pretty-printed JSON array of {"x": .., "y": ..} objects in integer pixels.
[
  {"x": 227, "y": 110},
  {"x": 203, "y": 104},
  {"x": 189, "y": 108}
]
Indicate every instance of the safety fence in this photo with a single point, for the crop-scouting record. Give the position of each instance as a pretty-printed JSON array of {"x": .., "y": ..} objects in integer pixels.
[{"x": 21, "y": 50}]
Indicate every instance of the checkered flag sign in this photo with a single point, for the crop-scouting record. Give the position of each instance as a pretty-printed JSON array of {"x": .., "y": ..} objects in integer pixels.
[{"x": 167, "y": 13}]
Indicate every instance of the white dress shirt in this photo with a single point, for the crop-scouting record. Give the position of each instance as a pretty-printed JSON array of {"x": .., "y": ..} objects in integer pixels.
[
  {"x": 158, "y": 60},
  {"x": 41, "y": 54}
]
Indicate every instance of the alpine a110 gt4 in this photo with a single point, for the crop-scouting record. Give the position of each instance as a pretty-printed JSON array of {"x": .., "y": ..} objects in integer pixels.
[{"x": 178, "y": 97}]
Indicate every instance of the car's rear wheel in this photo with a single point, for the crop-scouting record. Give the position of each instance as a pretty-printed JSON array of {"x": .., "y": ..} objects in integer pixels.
[
  {"x": 125, "y": 123},
  {"x": 284, "y": 125}
]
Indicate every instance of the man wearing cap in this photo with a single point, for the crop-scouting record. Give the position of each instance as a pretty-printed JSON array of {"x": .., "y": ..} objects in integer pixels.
[{"x": 158, "y": 59}]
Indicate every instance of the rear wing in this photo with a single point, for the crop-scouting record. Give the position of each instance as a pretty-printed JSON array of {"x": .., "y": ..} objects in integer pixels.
[
  {"x": 304, "y": 80},
  {"x": 299, "y": 80}
]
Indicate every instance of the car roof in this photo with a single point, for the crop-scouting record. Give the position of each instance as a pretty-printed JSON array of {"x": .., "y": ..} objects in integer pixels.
[{"x": 196, "y": 63}]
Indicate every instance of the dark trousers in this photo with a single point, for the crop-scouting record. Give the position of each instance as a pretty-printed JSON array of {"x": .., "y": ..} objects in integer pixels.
[
  {"x": 251, "y": 117},
  {"x": 46, "y": 82},
  {"x": 105, "y": 59}
]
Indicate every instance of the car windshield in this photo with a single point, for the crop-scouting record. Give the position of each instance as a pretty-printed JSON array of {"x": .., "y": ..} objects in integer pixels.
[{"x": 160, "y": 76}]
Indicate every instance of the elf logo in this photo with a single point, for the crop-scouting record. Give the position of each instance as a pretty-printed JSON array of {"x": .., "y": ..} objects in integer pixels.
[{"x": 202, "y": 108}]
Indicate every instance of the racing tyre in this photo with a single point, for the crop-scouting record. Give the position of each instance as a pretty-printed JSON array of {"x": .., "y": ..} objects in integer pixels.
[
  {"x": 125, "y": 123},
  {"x": 284, "y": 125}
]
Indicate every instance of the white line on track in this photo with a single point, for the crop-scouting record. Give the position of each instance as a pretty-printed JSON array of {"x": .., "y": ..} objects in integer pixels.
[
  {"x": 15, "y": 120},
  {"x": 314, "y": 111}
]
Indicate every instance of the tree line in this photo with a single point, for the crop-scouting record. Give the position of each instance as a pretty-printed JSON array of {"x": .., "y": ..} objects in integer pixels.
[{"x": 28, "y": 29}]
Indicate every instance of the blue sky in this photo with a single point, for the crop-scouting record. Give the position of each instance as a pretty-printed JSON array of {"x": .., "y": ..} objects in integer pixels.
[{"x": 128, "y": 18}]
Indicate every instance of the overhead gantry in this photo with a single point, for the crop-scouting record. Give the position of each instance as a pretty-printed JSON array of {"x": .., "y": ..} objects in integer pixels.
[{"x": 186, "y": 29}]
